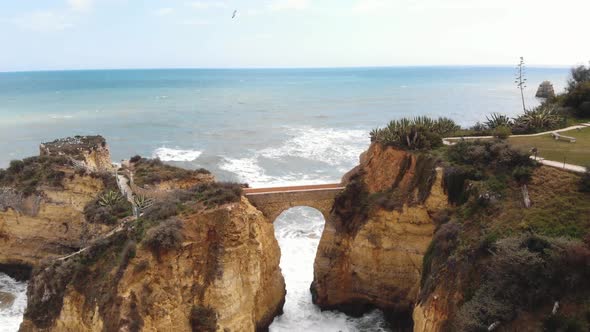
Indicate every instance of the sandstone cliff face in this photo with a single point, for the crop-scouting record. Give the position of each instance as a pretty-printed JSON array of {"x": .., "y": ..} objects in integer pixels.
[
  {"x": 371, "y": 256},
  {"x": 224, "y": 276},
  {"x": 48, "y": 224}
]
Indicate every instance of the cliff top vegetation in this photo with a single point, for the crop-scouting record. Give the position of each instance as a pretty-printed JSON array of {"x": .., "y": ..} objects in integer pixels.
[
  {"x": 73, "y": 147},
  {"x": 420, "y": 133},
  {"x": 27, "y": 174},
  {"x": 507, "y": 259},
  {"x": 153, "y": 171}
]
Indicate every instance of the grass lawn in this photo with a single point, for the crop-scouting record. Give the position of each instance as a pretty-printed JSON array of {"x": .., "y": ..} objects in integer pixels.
[
  {"x": 575, "y": 153},
  {"x": 558, "y": 208}
]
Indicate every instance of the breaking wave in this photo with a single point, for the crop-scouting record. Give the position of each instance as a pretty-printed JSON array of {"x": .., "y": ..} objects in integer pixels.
[
  {"x": 12, "y": 307},
  {"x": 168, "y": 154}
]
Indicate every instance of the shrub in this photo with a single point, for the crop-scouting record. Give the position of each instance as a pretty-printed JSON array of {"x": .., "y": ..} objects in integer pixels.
[
  {"x": 487, "y": 155},
  {"x": 135, "y": 158},
  {"x": 502, "y": 132},
  {"x": 217, "y": 193},
  {"x": 522, "y": 174},
  {"x": 414, "y": 134},
  {"x": 28, "y": 174},
  {"x": 164, "y": 237},
  {"x": 496, "y": 120},
  {"x": 539, "y": 119},
  {"x": 108, "y": 208},
  {"x": 162, "y": 210},
  {"x": 153, "y": 171},
  {"x": 523, "y": 272},
  {"x": 584, "y": 185}
]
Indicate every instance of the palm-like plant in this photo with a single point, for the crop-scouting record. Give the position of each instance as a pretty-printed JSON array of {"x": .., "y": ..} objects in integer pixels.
[
  {"x": 539, "y": 118},
  {"x": 418, "y": 133},
  {"x": 496, "y": 120},
  {"x": 110, "y": 198}
]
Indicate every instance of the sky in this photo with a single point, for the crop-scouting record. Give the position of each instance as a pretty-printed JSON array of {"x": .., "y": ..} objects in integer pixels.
[{"x": 99, "y": 34}]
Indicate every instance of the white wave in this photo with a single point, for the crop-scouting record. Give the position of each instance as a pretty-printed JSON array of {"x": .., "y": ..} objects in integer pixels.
[
  {"x": 11, "y": 317},
  {"x": 168, "y": 154},
  {"x": 336, "y": 147},
  {"x": 249, "y": 171},
  {"x": 298, "y": 231}
]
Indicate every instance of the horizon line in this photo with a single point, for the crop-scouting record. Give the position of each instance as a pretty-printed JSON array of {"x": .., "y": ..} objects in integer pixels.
[{"x": 556, "y": 66}]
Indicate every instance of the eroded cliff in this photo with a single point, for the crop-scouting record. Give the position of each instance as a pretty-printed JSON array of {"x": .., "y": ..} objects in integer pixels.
[
  {"x": 371, "y": 251},
  {"x": 186, "y": 265},
  {"x": 42, "y": 202}
]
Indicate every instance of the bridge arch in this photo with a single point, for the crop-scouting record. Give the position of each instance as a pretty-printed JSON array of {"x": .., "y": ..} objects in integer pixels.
[{"x": 274, "y": 201}]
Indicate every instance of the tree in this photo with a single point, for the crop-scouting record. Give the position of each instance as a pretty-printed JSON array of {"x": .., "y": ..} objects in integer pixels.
[{"x": 521, "y": 80}]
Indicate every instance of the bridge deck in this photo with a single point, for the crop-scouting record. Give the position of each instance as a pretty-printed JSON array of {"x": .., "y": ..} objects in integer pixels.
[{"x": 255, "y": 191}]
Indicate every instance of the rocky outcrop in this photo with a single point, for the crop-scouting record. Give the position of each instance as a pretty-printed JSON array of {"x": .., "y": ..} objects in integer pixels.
[
  {"x": 89, "y": 152},
  {"x": 49, "y": 223},
  {"x": 371, "y": 250},
  {"x": 545, "y": 90},
  {"x": 223, "y": 276}
]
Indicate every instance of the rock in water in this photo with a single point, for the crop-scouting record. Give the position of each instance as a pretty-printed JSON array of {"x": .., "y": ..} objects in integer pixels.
[
  {"x": 545, "y": 90},
  {"x": 6, "y": 300}
]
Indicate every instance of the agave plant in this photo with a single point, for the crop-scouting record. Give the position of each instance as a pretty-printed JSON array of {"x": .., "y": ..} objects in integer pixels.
[
  {"x": 417, "y": 133},
  {"x": 496, "y": 120},
  {"x": 142, "y": 202},
  {"x": 110, "y": 198},
  {"x": 445, "y": 126},
  {"x": 539, "y": 118}
]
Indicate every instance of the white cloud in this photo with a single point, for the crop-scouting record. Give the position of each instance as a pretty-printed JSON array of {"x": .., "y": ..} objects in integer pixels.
[
  {"x": 289, "y": 4},
  {"x": 207, "y": 4},
  {"x": 163, "y": 11},
  {"x": 81, "y": 5},
  {"x": 42, "y": 21}
]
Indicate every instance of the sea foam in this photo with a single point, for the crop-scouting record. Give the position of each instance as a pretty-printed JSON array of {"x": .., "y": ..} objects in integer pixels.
[
  {"x": 11, "y": 317},
  {"x": 337, "y": 148},
  {"x": 168, "y": 154}
]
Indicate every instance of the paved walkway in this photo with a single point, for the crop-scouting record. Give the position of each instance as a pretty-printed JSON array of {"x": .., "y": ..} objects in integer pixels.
[
  {"x": 561, "y": 165},
  {"x": 447, "y": 140}
]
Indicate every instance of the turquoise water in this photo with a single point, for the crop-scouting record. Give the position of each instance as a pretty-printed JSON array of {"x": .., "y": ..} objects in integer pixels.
[
  {"x": 272, "y": 126},
  {"x": 264, "y": 127}
]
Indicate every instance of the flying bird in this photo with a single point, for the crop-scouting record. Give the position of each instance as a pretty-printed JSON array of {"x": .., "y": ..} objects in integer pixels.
[{"x": 234, "y": 15}]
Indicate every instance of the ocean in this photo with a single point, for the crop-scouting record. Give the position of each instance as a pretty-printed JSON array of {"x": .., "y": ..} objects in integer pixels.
[{"x": 264, "y": 127}]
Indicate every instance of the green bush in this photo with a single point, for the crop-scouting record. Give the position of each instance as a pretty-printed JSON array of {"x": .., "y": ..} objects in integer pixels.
[
  {"x": 109, "y": 212},
  {"x": 542, "y": 118},
  {"x": 502, "y": 132},
  {"x": 487, "y": 155},
  {"x": 523, "y": 272},
  {"x": 522, "y": 174},
  {"x": 28, "y": 174},
  {"x": 154, "y": 171},
  {"x": 420, "y": 133},
  {"x": 164, "y": 237},
  {"x": 217, "y": 193},
  {"x": 496, "y": 120}
]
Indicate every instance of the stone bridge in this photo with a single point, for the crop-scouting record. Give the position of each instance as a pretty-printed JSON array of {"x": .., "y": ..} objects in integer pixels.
[{"x": 273, "y": 201}]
